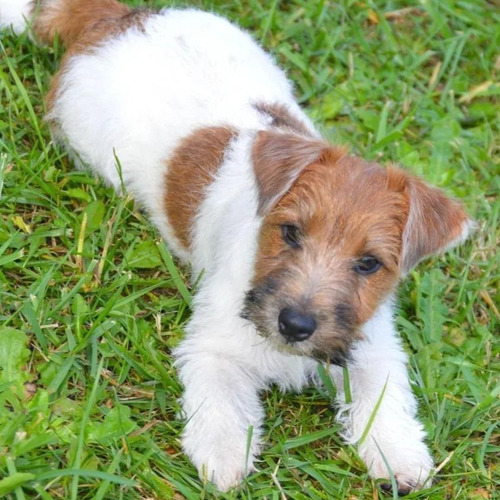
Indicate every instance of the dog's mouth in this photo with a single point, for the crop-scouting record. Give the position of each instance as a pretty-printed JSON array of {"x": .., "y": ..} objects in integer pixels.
[{"x": 340, "y": 355}]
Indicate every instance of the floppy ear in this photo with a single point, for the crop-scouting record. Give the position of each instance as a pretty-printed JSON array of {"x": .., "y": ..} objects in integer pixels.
[
  {"x": 435, "y": 223},
  {"x": 279, "y": 159}
]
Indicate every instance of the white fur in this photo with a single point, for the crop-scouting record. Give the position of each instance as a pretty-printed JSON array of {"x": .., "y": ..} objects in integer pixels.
[
  {"x": 15, "y": 14},
  {"x": 468, "y": 227},
  {"x": 136, "y": 96},
  {"x": 378, "y": 371}
]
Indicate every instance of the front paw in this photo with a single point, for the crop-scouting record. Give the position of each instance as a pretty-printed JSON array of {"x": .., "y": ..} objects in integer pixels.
[
  {"x": 224, "y": 473},
  {"x": 409, "y": 462},
  {"x": 221, "y": 458}
]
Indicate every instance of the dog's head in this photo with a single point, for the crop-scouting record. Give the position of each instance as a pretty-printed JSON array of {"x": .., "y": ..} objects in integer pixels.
[{"x": 337, "y": 234}]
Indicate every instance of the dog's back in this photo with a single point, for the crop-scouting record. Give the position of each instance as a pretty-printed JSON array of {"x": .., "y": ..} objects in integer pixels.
[{"x": 134, "y": 83}]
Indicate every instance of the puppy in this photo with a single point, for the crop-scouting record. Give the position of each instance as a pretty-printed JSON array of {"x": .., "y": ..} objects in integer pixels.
[{"x": 300, "y": 246}]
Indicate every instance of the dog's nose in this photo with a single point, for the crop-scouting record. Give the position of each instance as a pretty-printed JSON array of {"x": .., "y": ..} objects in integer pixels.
[{"x": 296, "y": 326}]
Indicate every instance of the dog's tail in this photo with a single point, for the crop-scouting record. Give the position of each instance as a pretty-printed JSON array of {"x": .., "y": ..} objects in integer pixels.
[{"x": 69, "y": 19}]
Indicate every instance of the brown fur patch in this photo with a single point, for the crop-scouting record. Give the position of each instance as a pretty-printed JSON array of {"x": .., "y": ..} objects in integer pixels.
[
  {"x": 281, "y": 117},
  {"x": 191, "y": 169},
  {"x": 85, "y": 23},
  {"x": 434, "y": 222},
  {"x": 279, "y": 159}
]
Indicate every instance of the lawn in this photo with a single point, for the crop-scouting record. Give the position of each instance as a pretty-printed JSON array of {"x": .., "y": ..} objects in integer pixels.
[{"x": 92, "y": 302}]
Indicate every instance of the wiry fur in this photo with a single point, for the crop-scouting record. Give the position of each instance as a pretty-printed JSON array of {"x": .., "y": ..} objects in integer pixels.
[{"x": 150, "y": 89}]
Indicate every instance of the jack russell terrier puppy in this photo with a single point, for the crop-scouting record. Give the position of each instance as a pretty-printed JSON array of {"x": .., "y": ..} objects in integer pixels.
[{"x": 301, "y": 245}]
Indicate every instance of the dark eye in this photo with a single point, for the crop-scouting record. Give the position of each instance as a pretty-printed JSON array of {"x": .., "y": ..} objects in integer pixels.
[
  {"x": 367, "y": 265},
  {"x": 291, "y": 235}
]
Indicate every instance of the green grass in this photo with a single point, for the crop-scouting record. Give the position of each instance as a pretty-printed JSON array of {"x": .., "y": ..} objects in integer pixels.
[{"x": 88, "y": 394}]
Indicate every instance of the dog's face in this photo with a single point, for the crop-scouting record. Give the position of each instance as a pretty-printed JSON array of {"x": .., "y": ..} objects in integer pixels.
[{"x": 335, "y": 238}]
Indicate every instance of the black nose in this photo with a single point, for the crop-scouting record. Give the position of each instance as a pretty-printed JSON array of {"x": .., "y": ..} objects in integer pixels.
[{"x": 296, "y": 326}]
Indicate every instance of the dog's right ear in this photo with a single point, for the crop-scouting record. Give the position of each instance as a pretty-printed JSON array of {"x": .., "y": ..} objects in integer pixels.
[{"x": 279, "y": 159}]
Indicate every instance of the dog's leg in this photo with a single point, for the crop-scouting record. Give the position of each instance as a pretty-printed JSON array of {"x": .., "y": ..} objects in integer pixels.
[
  {"x": 221, "y": 399},
  {"x": 224, "y": 415},
  {"x": 381, "y": 418}
]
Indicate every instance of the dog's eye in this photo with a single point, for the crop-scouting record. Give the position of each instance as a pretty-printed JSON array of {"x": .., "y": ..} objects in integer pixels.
[
  {"x": 367, "y": 265},
  {"x": 291, "y": 235}
]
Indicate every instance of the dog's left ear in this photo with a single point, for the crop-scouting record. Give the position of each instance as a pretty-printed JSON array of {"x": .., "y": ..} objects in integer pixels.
[
  {"x": 435, "y": 223},
  {"x": 279, "y": 159}
]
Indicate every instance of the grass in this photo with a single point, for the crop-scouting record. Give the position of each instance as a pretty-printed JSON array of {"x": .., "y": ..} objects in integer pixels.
[{"x": 88, "y": 394}]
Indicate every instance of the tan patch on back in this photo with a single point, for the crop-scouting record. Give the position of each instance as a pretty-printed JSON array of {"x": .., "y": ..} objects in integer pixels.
[
  {"x": 281, "y": 117},
  {"x": 191, "y": 169}
]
